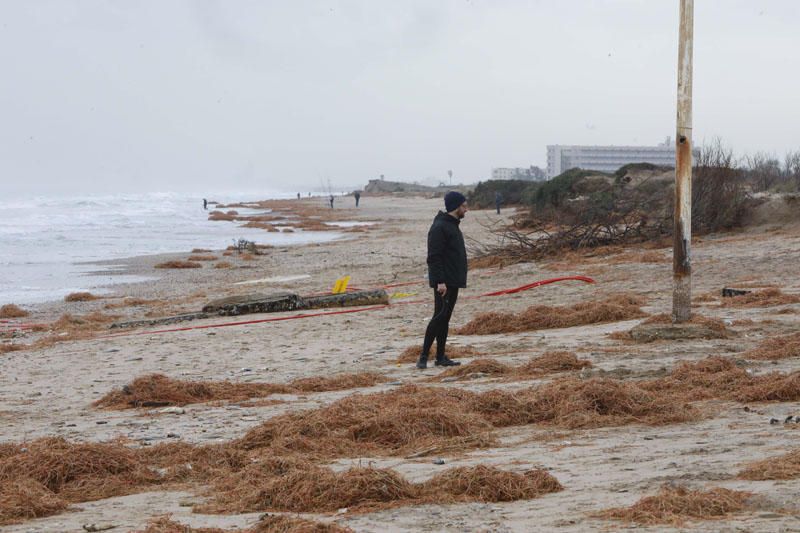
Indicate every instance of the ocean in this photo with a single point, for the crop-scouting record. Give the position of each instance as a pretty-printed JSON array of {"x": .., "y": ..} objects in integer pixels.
[{"x": 46, "y": 243}]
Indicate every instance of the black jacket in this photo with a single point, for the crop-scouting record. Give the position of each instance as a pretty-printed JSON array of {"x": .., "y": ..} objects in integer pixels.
[{"x": 447, "y": 255}]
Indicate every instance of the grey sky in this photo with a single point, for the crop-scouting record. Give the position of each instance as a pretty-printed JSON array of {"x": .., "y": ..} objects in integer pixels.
[{"x": 213, "y": 95}]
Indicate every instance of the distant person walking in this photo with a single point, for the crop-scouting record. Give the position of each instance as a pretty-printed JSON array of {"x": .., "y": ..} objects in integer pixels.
[
  {"x": 447, "y": 272},
  {"x": 331, "y": 201},
  {"x": 498, "y": 199},
  {"x": 205, "y": 204},
  {"x": 358, "y": 197},
  {"x": 298, "y": 196}
]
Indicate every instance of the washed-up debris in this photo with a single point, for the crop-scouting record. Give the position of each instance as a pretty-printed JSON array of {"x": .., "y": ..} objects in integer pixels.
[
  {"x": 730, "y": 293},
  {"x": 267, "y": 303}
]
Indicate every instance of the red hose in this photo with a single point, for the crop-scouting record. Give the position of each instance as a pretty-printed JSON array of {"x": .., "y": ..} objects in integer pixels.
[
  {"x": 514, "y": 290},
  {"x": 536, "y": 284}
]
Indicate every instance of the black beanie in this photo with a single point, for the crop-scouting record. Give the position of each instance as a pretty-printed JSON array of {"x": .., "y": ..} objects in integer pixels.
[{"x": 453, "y": 200}]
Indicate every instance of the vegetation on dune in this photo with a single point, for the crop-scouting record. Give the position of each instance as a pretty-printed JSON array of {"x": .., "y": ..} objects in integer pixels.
[{"x": 582, "y": 209}]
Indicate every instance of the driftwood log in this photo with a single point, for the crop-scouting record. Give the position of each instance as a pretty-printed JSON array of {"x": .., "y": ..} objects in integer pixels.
[
  {"x": 347, "y": 299},
  {"x": 159, "y": 321},
  {"x": 254, "y": 303},
  {"x": 267, "y": 303}
]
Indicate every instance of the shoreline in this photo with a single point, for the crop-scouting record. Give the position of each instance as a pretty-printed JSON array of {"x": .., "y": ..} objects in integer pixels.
[
  {"x": 137, "y": 266},
  {"x": 179, "y": 285},
  {"x": 90, "y": 241}
]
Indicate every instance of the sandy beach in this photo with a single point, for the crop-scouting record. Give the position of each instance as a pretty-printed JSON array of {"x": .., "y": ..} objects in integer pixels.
[{"x": 49, "y": 391}]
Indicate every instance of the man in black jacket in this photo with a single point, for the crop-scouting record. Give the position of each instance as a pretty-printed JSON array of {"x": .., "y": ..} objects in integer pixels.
[{"x": 447, "y": 272}]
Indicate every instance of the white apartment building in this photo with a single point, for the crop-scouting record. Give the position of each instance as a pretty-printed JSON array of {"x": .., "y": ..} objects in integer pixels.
[
  {"x": 505, "y": 173},
  {"x": 561, "y": 158},
  {"x": 518, "y": 173}
]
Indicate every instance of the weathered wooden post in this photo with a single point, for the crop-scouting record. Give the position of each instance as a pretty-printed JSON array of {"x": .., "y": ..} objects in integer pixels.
[{"x": 682, "y": 259}]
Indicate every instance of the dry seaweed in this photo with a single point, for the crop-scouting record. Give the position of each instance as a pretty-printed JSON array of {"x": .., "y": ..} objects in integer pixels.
[
  {"x": 298, "y": 486},
  {"x": 24, "y": 498},
  {"x": 613, "y": 308},
  {"x": 12, "y": 311},
  {"x": 164, "y": 524},
  {"x": 308, "y": 488},
  {"x": 547, "y": 363},
  {"x": 387, "y": 423},
  {"x": 155, "y": 390},
  {"x": 294, "y": 524},
  {"x": 767, "y": 297},
  {"x": 78, "y": 471},
  {"x": 481, "y": 367},
  {"x": 720, "y": 377},
  {"x": 602, "y": 402},
  {"x": 555, "y": 361},
  {"x": 411, "y": 417},
  {"x": 676, "y": 505},
  {"x": 411, "y": 354},
  {"x": 489, "y": 484},
  {"x": 80, "y": 297},
  {"x": 786, "y": 466},
  {"x": 776, "y": 348},
  {"x": 178, "y": 264}
]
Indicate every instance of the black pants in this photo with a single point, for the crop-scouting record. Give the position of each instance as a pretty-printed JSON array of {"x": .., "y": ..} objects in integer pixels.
[{"x": 440, "y": 323}]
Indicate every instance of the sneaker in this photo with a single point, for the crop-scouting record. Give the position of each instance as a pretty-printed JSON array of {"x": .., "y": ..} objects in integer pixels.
[
  {"x": 422, "y": 362},
  {"x": 446, "y": 361}
]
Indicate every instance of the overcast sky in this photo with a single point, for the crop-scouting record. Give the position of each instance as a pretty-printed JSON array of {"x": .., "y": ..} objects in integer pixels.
[{"x": 215, "y": 95}]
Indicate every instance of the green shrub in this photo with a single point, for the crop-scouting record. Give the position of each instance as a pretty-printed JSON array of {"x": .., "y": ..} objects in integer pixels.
[
  {"x": 512, "y": 191},
  {"x": 630, "y": 167},
  {"x": 553, "y": 193}
]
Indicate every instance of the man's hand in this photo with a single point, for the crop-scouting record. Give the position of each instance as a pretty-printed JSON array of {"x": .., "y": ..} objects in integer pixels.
[{"x": 441, "y": 289}]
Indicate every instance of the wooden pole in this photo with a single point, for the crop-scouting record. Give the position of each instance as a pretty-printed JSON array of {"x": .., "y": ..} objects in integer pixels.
[{"x": 682, "y": 259}]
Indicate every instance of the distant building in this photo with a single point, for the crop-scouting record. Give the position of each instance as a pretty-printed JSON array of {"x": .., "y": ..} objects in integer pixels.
[
  {"x": 561, "y": 158},
  {"x": 531, "y": 173}
]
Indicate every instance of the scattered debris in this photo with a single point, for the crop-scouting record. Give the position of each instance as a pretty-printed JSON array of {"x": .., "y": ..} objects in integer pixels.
[
  {"x": 729, "y": 293},
  {"x": 98, "y": 527}
]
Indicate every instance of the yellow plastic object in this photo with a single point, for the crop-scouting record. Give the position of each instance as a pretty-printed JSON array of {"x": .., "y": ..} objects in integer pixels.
[
  {"x": 402, "y": 294},
  {"x": 341, "y": 285}
]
